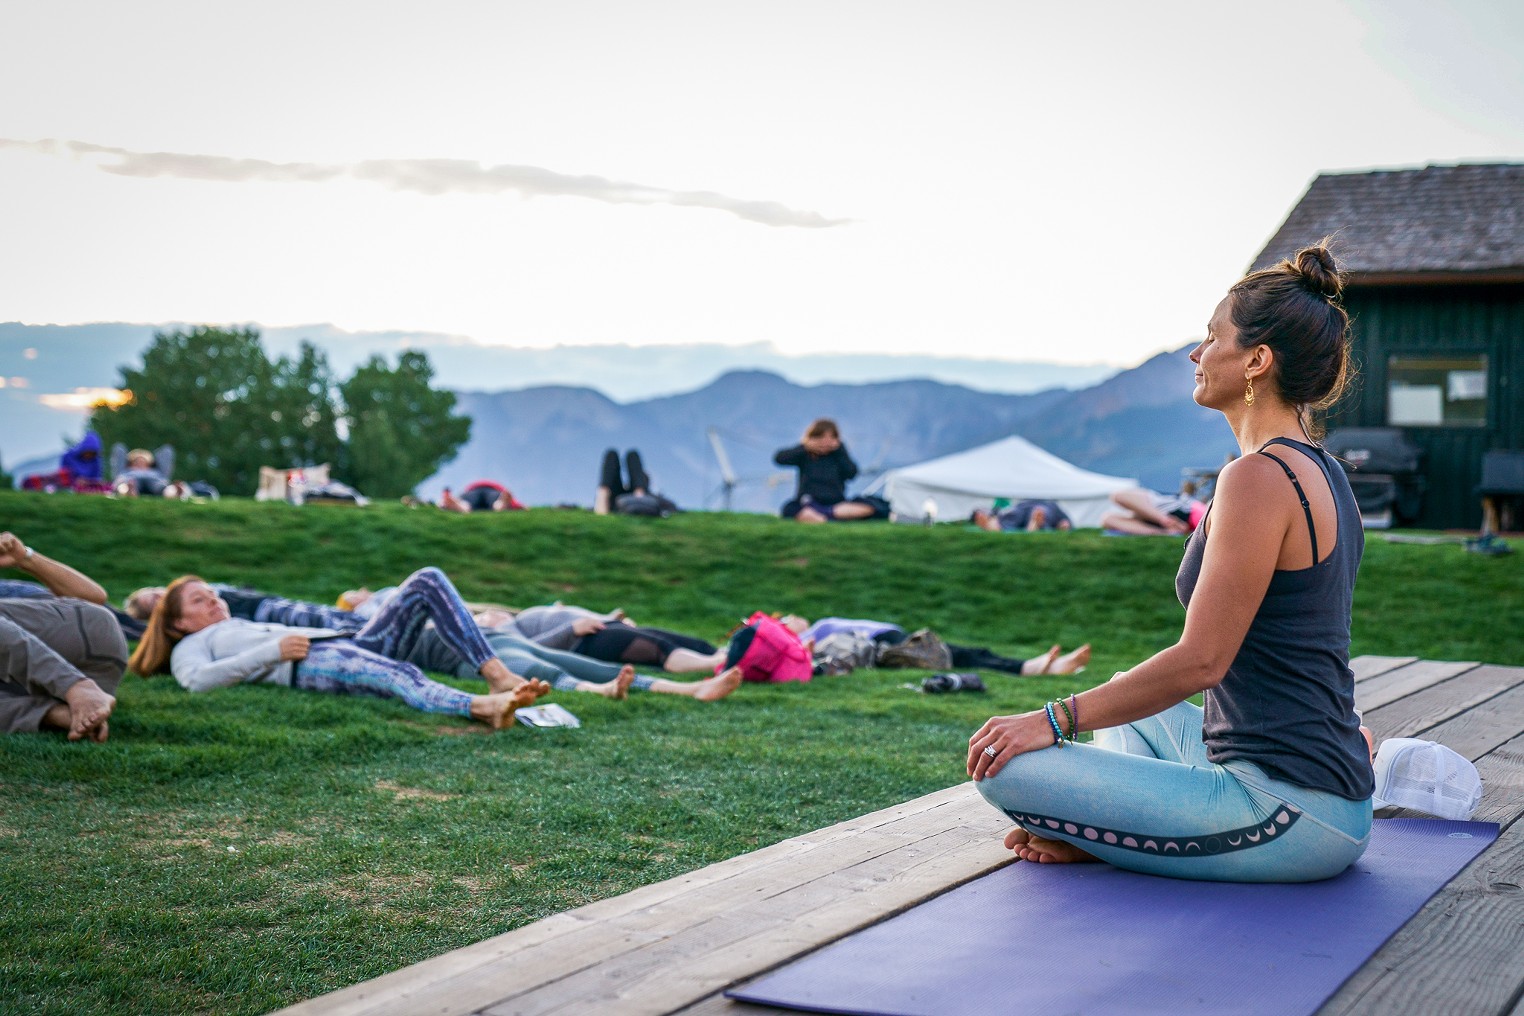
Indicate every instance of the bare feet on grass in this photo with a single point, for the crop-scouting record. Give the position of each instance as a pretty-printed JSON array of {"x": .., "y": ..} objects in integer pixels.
[
  {"x": 618, "y": 688},
  {"x": 499, "y": 678},
  {"x": 1035, "y": 848},
  {"x": 1041, "y": 664},
  {"x": 497, "y": 710},
  {"x": 717, "y": 687},
  {"x": 1052, "y": 663},
  {"x": 88, "y": 707},
  {"x": 1071, "y": 663}
]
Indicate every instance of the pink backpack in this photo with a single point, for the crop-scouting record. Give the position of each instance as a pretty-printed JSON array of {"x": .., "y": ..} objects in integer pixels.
[{"x": 775, "y": 653}]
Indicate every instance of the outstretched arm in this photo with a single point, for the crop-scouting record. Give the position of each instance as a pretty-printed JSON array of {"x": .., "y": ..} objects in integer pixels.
[{"x": 60, "y": 579}]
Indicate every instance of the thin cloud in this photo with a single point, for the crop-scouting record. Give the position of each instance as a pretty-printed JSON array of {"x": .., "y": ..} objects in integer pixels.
[{"x": 422, "y": 176}]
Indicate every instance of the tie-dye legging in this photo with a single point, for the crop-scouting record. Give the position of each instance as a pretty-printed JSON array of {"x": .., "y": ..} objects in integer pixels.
[
  {"x": 371, "y": 663},
  {"x": 1145, "y": 797}
]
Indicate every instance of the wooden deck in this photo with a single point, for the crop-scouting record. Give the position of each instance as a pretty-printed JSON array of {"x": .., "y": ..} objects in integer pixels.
[{"x": 675, "y": 946}]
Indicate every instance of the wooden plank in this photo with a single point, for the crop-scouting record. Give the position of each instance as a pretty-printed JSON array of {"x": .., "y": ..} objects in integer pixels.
[
  {"x": 734, "y": 943},
  {"x": 420, "y": 979},
  {"x": 1416, "y": 714},
  {"x": 1370, "y": 666},
  {"x": 477, "y": 976},
  {"x": 1393, "y": 685},
  {"x": 1478, "y": 731},
  {"x": 719, "y": 1005},
  {"x": 1461, "y": 952}
]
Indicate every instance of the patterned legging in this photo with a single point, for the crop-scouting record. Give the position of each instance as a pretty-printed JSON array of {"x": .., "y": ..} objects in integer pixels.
[
  {"x": 371, "y": 663},
  {"x": 1145, "y": 797}
]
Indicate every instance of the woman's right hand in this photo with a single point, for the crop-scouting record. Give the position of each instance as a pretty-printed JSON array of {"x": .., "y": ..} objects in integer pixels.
[
  {"x": 586, "y": 626},
  {"x": 1009, "y": 736},
  {"x": 294, "y": 647}
]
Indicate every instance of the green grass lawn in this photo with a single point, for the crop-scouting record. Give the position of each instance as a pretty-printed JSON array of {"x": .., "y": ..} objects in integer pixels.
[{"x": 242, "y": 849}]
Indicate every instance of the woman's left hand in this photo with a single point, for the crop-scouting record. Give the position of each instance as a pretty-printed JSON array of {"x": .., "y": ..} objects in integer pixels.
[{"x": 1009, "y": 736}]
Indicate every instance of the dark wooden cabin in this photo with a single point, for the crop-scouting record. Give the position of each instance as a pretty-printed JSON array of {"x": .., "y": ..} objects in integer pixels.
[{"x": 1436, "y": 291}]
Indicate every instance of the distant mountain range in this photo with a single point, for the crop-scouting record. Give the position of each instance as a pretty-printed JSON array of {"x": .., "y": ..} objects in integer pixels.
[
  {"x": 42, "y": 364},
  {"x": 545, "y": 441}
]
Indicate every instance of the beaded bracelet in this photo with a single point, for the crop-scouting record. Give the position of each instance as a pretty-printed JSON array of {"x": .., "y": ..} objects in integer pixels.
[
  {"x": 1074, "y": 701},
  {"x": 1073, "y": 726},
  {"x": 1058, "y": 735}
]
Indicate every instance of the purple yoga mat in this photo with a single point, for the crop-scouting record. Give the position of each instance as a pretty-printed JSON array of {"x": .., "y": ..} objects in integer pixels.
[{"x": 1089, "y": 938}]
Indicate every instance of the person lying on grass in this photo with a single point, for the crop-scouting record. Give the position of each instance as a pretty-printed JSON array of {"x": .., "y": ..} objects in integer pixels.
[
  {"x": 1272, "y": 781},
  {"x": 61, "y": 652},
  {"x": 614, "y": 638},
  {"x": 561, "y": 669},
  {"x": 1054, "y": 661},
  {"x": 192, "y": 635}
]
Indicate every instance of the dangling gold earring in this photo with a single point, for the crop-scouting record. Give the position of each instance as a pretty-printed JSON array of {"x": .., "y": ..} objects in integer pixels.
[{"x": 1248, "y": 390}]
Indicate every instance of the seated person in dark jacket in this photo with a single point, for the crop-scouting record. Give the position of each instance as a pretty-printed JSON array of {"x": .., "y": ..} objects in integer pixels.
[
  {"x": 824, "y": 469},
  {"x": 1023, "y": 516}
]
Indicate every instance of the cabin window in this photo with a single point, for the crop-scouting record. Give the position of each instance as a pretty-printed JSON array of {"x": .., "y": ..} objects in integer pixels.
[{"x": 1437, "y": 391}]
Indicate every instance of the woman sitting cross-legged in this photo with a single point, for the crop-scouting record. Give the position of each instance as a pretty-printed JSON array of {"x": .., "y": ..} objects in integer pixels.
[
  {"x": 191, "y": 634},
  {"x": 1272, "y": 781}
]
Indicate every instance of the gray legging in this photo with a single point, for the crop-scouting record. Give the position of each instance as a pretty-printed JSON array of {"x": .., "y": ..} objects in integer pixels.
[
  {"x": 46, "y": 645},
  {"x": 557, "y": 667}
]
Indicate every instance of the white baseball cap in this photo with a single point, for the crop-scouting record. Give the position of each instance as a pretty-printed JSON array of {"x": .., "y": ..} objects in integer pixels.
[{"x": 1426, "y": 776}]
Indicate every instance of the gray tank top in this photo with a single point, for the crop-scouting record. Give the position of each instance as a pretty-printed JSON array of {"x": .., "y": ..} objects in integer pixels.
[{"x": 1287, "y": 702}]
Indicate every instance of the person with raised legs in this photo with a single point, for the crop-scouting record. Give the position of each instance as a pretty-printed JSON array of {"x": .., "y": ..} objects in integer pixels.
[{"x": 62, "y": 655}]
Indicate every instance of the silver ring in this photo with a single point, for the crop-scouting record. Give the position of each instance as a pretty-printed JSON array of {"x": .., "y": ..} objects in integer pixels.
[{"x": 992, "y": 751}]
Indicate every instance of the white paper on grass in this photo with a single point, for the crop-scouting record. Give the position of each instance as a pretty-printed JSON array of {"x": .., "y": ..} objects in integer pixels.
[{"x": 550, "y": 715}]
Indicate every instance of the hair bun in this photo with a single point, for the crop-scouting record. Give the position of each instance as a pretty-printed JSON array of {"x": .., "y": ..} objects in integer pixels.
[{"x": 1318, "y": 270}]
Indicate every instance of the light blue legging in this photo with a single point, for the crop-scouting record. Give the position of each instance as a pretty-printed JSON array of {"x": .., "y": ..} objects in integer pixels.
[
  {"x": 371, "y": 663},
  {"x": 1144, "y": 797},
  {"x": 560, "y": 669}
]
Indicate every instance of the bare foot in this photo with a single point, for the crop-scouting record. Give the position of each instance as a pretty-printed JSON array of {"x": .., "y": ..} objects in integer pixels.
[
  {"x": 88, "y": 709},
  {"x": 499, "y": 678},
  {"x": 717, "y": 687},
  {"x": 1071, "y": 663},
  {"x": 496, "y": 711},
  {"x": 1035, "y": 848},
  {"x": 1041, "y": 664},
  {"x": 450, "y": 503},
  {"x": 618, "y": 688}
]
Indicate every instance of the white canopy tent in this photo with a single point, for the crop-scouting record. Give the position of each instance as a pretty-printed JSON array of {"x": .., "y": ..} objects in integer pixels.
[{"x": 1013, "y": 468}]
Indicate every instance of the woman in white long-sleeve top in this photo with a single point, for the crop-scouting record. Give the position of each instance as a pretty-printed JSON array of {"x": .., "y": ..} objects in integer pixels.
[{"x": 192, "y": 635}]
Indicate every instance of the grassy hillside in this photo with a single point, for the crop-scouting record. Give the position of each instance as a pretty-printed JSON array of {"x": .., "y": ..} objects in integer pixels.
[{"x": 242, "y": 849}]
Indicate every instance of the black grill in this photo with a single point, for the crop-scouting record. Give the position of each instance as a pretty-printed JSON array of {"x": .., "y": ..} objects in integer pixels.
[{"x": 1385, "y": 471}]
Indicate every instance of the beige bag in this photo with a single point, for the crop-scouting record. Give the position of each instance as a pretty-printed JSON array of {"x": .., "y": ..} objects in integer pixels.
[{"x": 923, "y": 650}]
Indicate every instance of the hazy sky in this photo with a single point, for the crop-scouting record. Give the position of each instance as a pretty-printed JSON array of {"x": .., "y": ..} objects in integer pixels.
[{"x": 1075, "y": 182}]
